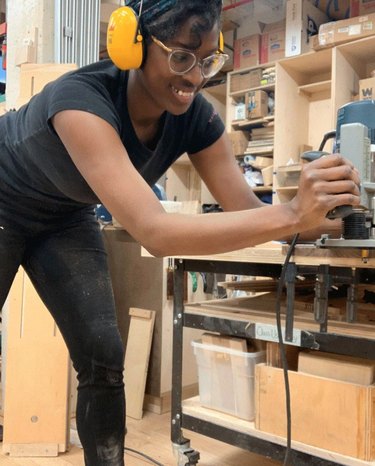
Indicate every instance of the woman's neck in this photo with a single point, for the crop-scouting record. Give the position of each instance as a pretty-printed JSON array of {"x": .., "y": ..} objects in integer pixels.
[{"x": 144, "y": 115}]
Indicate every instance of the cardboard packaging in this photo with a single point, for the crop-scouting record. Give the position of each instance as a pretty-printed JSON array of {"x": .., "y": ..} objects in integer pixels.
[
  {"x": 239, "y": 140},
  {"x": 361, "y": 7},
  {"x": 256, "y": 104},
  {"x": 346, "y": 30},
  {"x": 367, "y": 89},
  {"x": 334, "y": 10},
  {"x": 246, "y": 52},
  {"x": 272, "y": 44},
  {"x": 330, "y": 414},
  {"x": 245, "y": 80},
  {"x": 302, "y": 21}
]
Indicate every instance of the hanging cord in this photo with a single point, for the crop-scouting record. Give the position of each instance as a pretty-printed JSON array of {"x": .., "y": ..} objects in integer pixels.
[
  {"x": 148, "y": 458},
  {"x": 282, "y": 348}
]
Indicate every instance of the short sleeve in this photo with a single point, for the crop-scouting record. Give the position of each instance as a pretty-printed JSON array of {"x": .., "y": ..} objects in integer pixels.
[{"x": 77, "y": 92}]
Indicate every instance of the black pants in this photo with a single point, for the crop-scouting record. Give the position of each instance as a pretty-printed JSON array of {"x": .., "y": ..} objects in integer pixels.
[{"x": 63, "y": 254}]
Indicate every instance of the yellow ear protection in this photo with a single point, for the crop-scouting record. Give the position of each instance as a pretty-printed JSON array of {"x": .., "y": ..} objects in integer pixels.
[{"x": 125, "y": 41}]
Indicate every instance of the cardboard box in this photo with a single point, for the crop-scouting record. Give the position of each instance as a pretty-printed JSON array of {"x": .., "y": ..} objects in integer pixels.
[
  {"x": 226, "y": 378},
  {"x": 245, "y": 80},
  {"x": 239, "y": 140},
  {"x": 361, "y": 7},
  {"x": 336, "y": 366},
  {"x": 302, "y": 21},
  {"x": 367, "y": 89},
  {"x": 246, "y": 52},
  {"x": 334, "y": 10},
  {"x": 330, "y": 414},
  {"x": 272, "y": 44},
  {"x": 256, "y": 104},
  {"x": 346, "y": 30}
]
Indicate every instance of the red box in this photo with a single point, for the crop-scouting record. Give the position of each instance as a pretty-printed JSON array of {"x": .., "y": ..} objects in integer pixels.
[
  {"x": 273, "y": 42},
  {"x": 361, "y": 7}
]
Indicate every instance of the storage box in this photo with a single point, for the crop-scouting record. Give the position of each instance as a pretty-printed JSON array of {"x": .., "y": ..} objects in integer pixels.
[
  {"x": 302, "y": 21},
  {"x": 367, "y": 89},
  {"x": 361, "y": 7},
  {"x": 239, "y": 140},
  {"x": 346, "y": 30},
  {"x": 246, "y": 52},
  {"x": 256, "y": 104},
  {"x": 329, "y": 414},
  {"x": 245, "y": 80},
  {"x": 272, "y": 44},
  {"x": 226, "y": 379}
]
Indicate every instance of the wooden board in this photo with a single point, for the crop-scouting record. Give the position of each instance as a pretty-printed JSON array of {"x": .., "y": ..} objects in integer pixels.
[
  {"x": 336, "y": 366},
  {"x": 137, "y": 358},
  {"x": 328, "y": 414},
  {"x": 36, "y": 377}
]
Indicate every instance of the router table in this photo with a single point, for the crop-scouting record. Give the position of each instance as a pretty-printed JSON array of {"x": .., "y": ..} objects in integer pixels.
[{"x": 329, "y": 267}]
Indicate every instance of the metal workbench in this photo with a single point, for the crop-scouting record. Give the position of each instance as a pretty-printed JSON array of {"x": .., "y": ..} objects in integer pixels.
[{"x": 262, "y": 261}]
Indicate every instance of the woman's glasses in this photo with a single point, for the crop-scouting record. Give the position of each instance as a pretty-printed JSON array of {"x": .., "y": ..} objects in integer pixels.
[{"x": 182, "y": 61}]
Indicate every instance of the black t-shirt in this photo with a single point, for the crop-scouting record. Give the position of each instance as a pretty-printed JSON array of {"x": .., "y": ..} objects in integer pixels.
[{"x": 34, "y": 161}]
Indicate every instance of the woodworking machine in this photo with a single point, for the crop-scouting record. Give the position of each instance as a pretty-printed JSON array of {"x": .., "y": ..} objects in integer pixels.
[{"x": 355, "y": 140}]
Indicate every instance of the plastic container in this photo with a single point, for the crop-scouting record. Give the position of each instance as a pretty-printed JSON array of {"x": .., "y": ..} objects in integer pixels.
[{"x": 226, "y": 379}]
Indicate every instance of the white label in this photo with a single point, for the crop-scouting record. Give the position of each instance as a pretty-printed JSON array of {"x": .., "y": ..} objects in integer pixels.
[{"x": 268, "y": 332}]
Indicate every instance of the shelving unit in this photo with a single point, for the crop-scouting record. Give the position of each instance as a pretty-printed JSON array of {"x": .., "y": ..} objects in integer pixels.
[
  {"x": 239, "y": 84},
  {"x": 310, "y": 89},
  {"x": 246, "y": 322}
]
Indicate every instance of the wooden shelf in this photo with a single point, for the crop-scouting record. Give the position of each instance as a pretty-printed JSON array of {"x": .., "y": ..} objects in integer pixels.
[
  {"x": 314, "y": 88},
  {"x": 262, "y": 189},
  {"x": 193, "y": 408},
  {"x": 256, "y": 122},
  {"x": 265, "y": 87}
]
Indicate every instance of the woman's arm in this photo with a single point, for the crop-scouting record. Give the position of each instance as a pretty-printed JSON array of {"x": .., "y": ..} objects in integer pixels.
[
  {"x": 95, "y": 148},
  {"x": 219, "y": 169}
]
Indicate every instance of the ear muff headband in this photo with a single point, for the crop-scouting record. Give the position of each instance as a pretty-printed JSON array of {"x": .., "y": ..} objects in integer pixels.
[
  {"x": 124, "y": 39},
  {"x": 221, "y": 42}
]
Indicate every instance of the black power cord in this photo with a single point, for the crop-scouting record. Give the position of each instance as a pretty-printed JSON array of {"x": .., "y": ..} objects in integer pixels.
[
  {"x": 148, "y": 458},
  {"x": 284, "y": 361}
]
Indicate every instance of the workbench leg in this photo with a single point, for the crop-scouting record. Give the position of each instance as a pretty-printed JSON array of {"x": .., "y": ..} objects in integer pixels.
[{"x": 184, "y": 454}]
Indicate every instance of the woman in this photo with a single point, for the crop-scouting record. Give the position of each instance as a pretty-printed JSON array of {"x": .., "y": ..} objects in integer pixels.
[{"x": 100, "y": 134}]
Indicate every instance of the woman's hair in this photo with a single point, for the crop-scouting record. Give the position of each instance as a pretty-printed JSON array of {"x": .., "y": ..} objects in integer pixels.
[{"x": 164, "y": 18}]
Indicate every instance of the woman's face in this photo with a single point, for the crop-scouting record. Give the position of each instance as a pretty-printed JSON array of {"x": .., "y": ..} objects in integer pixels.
[{"x": 171, "y": 92}]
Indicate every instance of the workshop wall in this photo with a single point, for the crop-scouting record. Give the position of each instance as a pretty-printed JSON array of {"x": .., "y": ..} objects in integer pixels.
[{"x": 30, "y": 30}]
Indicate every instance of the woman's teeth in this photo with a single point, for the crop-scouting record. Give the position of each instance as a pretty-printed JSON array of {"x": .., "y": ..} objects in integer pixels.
[{"x": 182, "y": 93}]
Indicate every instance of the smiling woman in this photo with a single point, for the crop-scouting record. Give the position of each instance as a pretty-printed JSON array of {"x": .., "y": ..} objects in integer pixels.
[{"x": 131, "y": 123}]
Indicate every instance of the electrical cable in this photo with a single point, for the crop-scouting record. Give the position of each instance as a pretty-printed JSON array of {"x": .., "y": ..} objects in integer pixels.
[
  {"x": 282, "y": 347},
  {"x": 148, "y": 458}
]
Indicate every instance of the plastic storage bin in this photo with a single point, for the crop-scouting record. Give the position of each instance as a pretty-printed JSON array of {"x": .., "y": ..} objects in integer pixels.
[{"x": 226, "y": 378}]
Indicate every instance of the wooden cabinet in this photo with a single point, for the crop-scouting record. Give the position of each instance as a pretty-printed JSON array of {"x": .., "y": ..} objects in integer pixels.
[
  {"x": 250, "y": 115},
  {"x": 309, "y": 90}
]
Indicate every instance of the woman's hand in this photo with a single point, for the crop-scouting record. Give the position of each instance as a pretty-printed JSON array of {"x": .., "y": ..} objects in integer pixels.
[{"x": 325, "y": 183}]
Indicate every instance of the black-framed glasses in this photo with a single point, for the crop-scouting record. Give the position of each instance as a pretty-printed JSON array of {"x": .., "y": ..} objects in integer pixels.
[{"x": 182, "y": 61}]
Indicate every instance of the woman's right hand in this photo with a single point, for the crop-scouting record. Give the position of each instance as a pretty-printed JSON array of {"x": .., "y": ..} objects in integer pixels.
[{"x": 325, "y": 183}]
